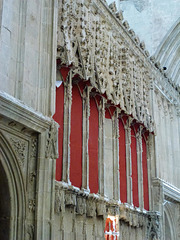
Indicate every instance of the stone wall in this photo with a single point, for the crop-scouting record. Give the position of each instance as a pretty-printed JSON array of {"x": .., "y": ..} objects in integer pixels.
[
  {"x": 28, "y": 52},
  {"x": 82, "y": 215},
  {"x": 98, "y": 46},
  {"x": 28, "y": 149}
]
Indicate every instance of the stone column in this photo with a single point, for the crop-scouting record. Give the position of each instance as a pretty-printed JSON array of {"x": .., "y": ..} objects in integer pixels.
[
  {"x": 101, "y": 141},
  {"x": 116, "y": 181},
  {"x": 67, "y": 127},
  {"x": 139, "y": 165},
  {"x": 85, "y": 130},
  {"x": 128, "y": 161},
  {"x": 150, "y": 166}
]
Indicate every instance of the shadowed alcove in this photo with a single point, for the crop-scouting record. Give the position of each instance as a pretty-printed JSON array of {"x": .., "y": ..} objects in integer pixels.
[{"x": 5, "y": 207}]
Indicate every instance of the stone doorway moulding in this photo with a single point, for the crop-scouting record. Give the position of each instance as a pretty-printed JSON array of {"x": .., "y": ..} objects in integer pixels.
[
  {"x": 169, "y": 223},
  {"x": 12, "y": 194},
  {"x": 28, "y": 152}
]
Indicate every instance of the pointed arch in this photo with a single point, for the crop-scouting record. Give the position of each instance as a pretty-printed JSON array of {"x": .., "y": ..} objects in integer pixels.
[
  {"x": 169, "y": 223},
  {"x": 168, "y": 52},
  {"x": 16, "y": 190}
]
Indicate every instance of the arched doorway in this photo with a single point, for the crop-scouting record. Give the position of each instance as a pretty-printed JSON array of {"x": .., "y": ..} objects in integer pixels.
[
  {"x": 5, "y": 205},
  {"x": 167, "y": 228},
  {"x": 169, "y": 223},
  {"x": 12, "y": 195}
]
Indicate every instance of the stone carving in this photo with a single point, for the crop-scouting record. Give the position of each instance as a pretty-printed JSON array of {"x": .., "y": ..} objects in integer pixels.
[
  {"x": 32, "y": 205},
  {"x": 90, "y": 208},
  {"x": 101, "y": 208},
  {"x": 70, "y": 198},
  {"x": 123, "y": 214},
  {"x": 153, "y": 226},
  {"x": 52, "y": 142},
  {"x": 91, "y": 39},
  {"x": 20, "y": 149},
  {"x": 80, "y": 207},
  {"x": 119, "y": 15},
  {"x": 32, "y": 177},
  {"x": 34, "y": 148},
  {"x": 112, "y": 6},
  {"x": 57, "y": 205},
  {"x": 30, "y": 232}
]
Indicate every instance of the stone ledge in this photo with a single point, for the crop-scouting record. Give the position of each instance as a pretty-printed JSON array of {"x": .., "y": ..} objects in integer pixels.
[
  {"x": 170, "y": 192},
  {"x": 92, "y": 205},
  {"x": 16, "y": 110}
]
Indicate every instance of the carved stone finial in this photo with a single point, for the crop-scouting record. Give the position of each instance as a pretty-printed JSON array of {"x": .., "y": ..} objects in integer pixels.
[
  {"x": 152, "y": 58},
  {"x": 157, "y": 65},
  {"x": 119, "y": 15},
  {"x": 136, "y": 39},
  {"x": 147, "y": 53},
  {"x": 113, "y": 7},
  {"x": 142, "y": 45},
  {"x": 126, "y": 24},
  {"x": 131, "y": 32}
]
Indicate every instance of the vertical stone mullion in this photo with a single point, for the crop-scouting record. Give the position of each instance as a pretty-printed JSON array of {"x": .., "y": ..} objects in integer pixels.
[
  {"x": 139, "y": 164},
  {"x": 128, "y": 161},
  {"x": 116, "y": 182},
  {"x": 150, "y": 158},
  {"x": 85, "y": 137},
  {"x": 67, "y": 128},
  {"x": 101, "y": 141}
]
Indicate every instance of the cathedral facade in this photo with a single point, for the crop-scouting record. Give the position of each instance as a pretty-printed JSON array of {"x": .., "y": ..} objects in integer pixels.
[{"x": 89, "y": 125}]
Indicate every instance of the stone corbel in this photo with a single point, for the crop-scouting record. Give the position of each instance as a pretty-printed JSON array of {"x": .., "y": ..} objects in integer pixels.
[
  {"x": 90, "y": 207},
  {"x": 101, "y": 208},
  {"x": 59, "y": 200},
  {"x": 113, "y": 209},
  {"x": 70, "y": 198},
  {"x": 81, "y": 205},
  {"x": 135, "y": 219},
  {"x": 122, "y": 214}
]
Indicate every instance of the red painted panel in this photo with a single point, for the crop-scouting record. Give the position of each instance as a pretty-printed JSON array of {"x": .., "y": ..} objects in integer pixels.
[
  {"x": 59, "y": 118},
  {"x": 145, "y": 175},
  {"x": 122, "y": 162},
  {"x": 76, "y": 138},
  {"x": 93, "y": 146},
  {"x": 134, "y": 169},
  {"x": 107, "y": 113},
  {"x": 64, "y": 72}
]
